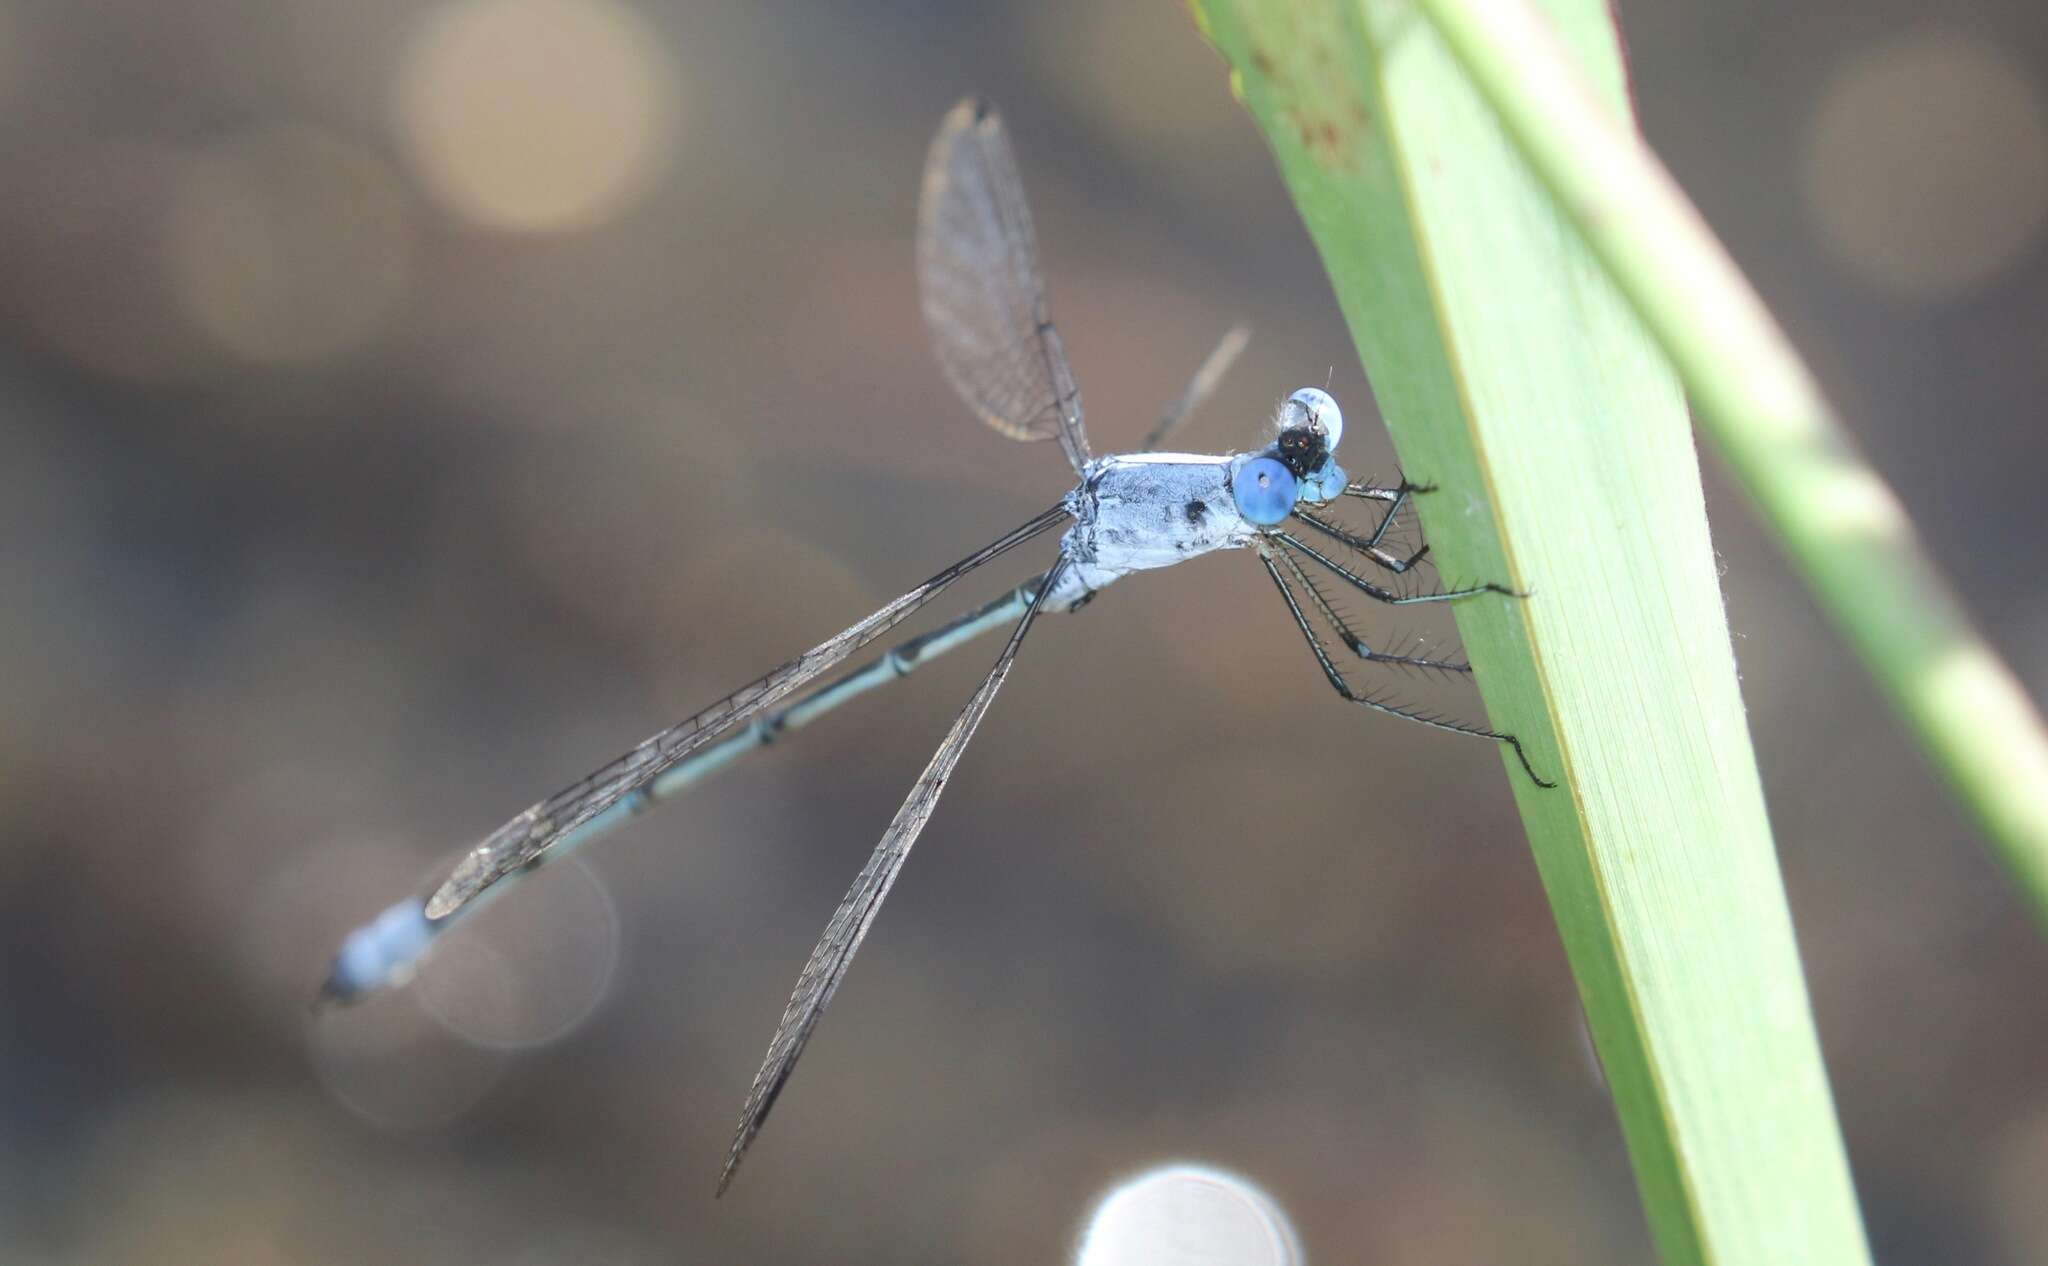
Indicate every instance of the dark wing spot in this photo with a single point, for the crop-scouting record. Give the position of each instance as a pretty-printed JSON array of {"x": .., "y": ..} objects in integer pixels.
[{"x": 1197, "y": 511}]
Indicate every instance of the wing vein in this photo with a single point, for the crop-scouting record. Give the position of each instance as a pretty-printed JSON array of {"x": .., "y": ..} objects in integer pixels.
[{"x": 981, "y": 289}]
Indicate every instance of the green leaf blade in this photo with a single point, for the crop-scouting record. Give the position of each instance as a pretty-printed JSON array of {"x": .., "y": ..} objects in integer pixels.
[{"x": 1514, "y": 377}]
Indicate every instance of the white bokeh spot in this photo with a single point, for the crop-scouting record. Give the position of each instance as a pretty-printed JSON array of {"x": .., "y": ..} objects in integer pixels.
[{"x": 1189, "y": 1215}]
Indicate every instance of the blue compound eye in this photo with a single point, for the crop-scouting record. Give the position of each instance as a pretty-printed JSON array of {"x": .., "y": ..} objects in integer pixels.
[{"x": 1264, "y": 491}]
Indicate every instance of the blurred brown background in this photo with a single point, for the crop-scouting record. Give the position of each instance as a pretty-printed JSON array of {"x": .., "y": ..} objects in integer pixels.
[{"x": 405, "y": 405}]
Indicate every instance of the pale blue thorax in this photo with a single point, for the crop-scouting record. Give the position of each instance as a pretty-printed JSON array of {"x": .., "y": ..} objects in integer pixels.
[{"x": 1140, "y": 511}]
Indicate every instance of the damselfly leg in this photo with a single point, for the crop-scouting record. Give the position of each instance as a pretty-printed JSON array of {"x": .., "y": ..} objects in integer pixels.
[
  {"x": 1380, "y": 593},
  {"x": 1349, "y": 636},
  {"x": 1370, "y": 545},
  {"x": 1379, "y": 703}
]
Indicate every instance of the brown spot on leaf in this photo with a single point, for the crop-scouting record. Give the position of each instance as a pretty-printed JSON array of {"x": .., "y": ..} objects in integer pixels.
[{"x": 1328, "y": 139}]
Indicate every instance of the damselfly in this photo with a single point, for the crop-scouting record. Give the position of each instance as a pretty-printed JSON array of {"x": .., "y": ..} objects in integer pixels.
[{"x": 984, "y": 304}]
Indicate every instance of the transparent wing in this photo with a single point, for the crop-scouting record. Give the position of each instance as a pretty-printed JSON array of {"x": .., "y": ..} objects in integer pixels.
[
  {"x": 983, "y": 298},
  {"x": 856, "y": 912},
  {"x": 521, "y": 841}
]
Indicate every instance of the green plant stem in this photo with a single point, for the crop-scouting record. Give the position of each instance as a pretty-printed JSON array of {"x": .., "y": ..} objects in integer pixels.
[
  {"x": 1839, "y": 522},
  {"x": 1514, "y": 377}
]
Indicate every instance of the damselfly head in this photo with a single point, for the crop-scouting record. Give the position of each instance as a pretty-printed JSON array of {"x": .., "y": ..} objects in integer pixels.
[
  {"x": 1317, "y": 409},
  {"x": 1310, "y": 426}
]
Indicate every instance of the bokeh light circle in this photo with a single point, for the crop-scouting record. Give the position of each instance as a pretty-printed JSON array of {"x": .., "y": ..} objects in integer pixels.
[
  {"x": 1189, "y": 1215},
  {"x": 391, "y": 1065},
  {"x": 289, "y": 245},
  {"x": 532, "y": 968},
  {"x": 1924, "y": 166},
  {"x": 536, "y": 115}
]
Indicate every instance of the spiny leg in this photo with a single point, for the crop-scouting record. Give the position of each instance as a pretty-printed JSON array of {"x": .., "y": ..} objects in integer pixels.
[
  {"x": 1397, "y": 496},
  {"x": 1351, "y": 637},
  {"x": 1380, "y": 593},
  {"x": 1343, "y": 687},
  {"x": 1366, "y": 545},
  {"x": 1373, "y": 492},
  {"x": 1401, "y": 493},
  {"x": 1213, "y": 367}
]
